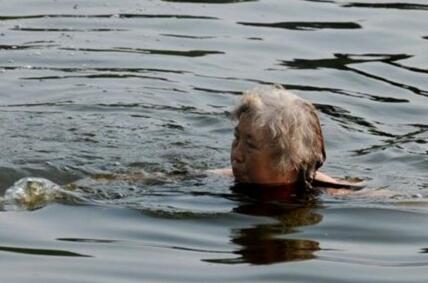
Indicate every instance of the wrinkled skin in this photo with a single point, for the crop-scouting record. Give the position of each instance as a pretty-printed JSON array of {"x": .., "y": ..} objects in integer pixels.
[{"x": 251, "y": 157}]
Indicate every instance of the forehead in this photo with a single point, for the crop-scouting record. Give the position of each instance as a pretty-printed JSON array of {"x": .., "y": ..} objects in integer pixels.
[{"x": 248, "y": 128}]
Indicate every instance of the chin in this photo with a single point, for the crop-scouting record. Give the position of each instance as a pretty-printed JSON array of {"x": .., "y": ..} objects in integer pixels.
[{"x": 239, "y": 177}]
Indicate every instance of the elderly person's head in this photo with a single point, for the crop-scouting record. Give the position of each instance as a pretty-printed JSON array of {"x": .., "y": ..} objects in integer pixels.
[{"x": 278, "y": 138}]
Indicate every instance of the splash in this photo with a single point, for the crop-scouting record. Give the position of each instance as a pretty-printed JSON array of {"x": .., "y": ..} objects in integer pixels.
[{"x": 30, "y": 193}]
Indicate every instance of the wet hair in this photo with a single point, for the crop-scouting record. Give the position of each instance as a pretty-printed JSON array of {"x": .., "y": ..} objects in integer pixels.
[{"x": 290, "y": 127}]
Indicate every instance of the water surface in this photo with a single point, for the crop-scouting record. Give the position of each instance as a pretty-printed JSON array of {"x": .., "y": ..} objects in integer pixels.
[{"x": 105, "y": 87}]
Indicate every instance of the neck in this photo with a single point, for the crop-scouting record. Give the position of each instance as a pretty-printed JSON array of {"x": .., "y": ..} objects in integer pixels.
[{"x": 266, "y": 192}]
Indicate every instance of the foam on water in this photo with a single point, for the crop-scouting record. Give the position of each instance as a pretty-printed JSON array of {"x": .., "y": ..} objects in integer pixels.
[{"x": 30, "y": 193}]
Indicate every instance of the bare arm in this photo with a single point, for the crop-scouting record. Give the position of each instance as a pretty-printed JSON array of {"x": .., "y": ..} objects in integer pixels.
[
  {"x": 222, "y": 171},
  {"x": 337, "y": 187},
  {"x": 321, "y": 177}
]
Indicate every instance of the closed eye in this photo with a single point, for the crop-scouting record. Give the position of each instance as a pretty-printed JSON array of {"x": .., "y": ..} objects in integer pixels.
[{"x": 251, "y": 143}]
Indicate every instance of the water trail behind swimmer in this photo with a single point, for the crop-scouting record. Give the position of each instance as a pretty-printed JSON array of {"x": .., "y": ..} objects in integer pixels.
[{"x": 32, "y": 193}]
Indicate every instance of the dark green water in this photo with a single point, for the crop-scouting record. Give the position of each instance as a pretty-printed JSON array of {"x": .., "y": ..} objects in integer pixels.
[{"x": 90, "y": 87}]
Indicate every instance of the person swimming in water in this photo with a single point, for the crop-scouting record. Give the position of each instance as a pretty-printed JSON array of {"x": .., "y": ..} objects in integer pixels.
[
  {"x": 277, "y": 150},
  {"x": 278, "y": 142}
]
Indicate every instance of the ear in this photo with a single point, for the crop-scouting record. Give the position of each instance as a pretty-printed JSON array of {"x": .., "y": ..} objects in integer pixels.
[
  {"x": 304, "y": 182},
  {"x": 320, "y": 145},
  {"x": 323, "y": 156}
]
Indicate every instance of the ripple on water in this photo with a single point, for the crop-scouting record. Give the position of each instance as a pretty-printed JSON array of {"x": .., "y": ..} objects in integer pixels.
[{"x": 105, "y": 90}]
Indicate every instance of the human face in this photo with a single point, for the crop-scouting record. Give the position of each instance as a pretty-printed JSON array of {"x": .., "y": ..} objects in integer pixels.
[{"x": 252, "y": 158}]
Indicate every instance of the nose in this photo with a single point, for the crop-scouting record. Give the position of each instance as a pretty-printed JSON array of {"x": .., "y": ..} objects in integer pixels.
[{"x": 237, "y": 155}]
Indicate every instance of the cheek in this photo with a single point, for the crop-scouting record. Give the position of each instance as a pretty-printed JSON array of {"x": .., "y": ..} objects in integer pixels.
[
  {"x": 253, "y": 165},
  {"x": 259, "y": 168}
]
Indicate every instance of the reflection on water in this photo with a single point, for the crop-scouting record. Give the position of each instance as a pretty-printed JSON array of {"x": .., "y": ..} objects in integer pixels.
[
  {"x": 108, "y": 16},
  {"x": 306, "y": 25},
  {"x": 209, "y": 1},
  {"x": 268, "y": 243},
  {"x": 401, "y": 6},
  {"x": 186, "y": 53},
  {"x": 41, "y": 252}
]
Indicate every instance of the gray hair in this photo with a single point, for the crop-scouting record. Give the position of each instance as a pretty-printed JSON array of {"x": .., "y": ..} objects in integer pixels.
[{"x": 291, "y": 127}]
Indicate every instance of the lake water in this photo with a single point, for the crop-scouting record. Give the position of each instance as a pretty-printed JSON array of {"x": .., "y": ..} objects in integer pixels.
[{"x": 101, "y": 87}]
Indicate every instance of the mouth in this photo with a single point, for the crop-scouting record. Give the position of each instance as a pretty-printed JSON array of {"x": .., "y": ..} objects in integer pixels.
[{"x": 239, "y": 176}]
